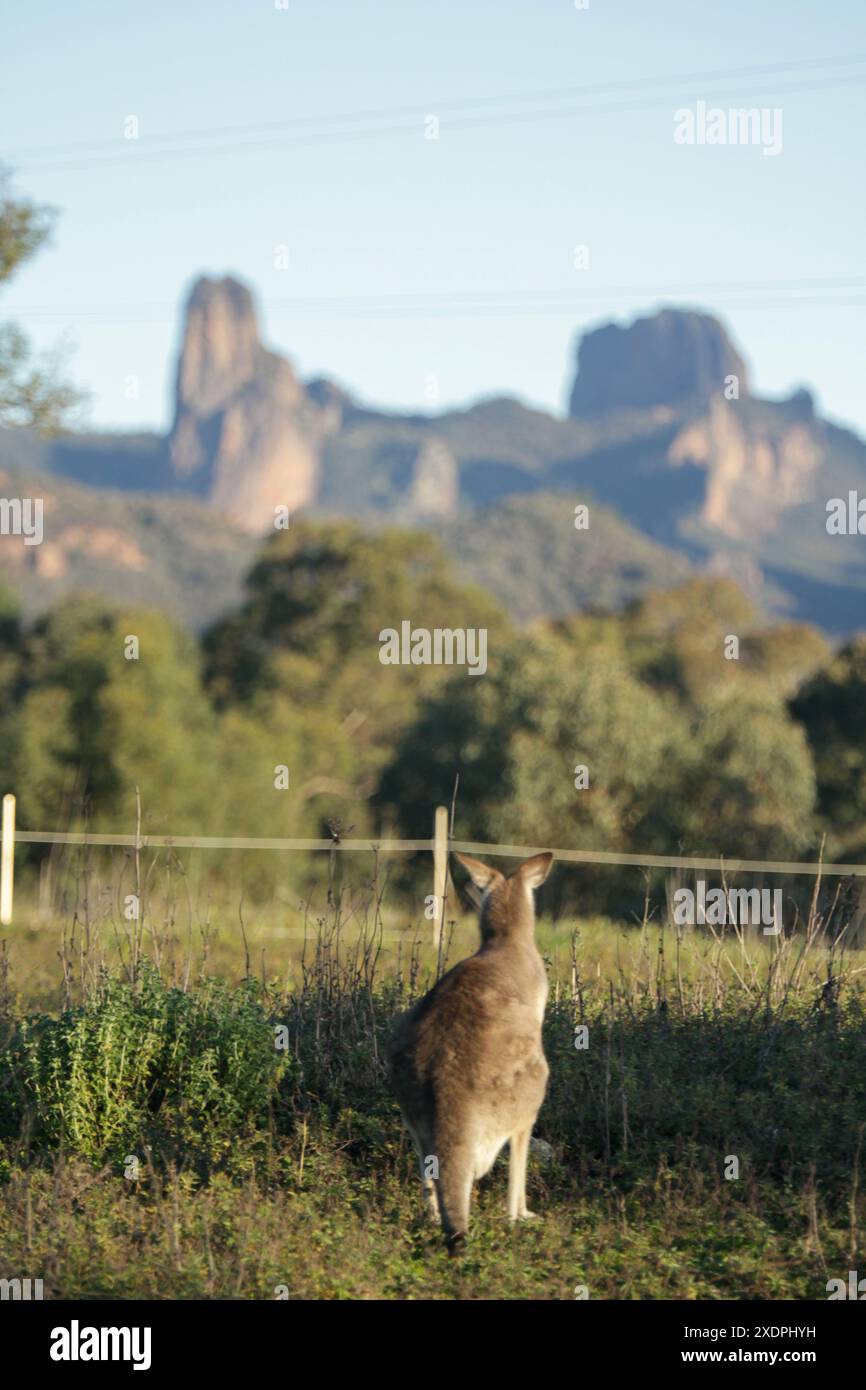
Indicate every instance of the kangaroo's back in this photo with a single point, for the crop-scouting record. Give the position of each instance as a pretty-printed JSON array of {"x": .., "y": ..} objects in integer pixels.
[{"x": 467, "y": 1064}]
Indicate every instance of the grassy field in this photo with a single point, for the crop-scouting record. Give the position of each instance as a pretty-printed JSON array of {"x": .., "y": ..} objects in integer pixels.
[{"x": 192, "y": 1107}]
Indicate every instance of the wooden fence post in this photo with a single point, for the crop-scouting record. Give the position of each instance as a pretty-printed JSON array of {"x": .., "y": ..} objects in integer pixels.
[
  {"x": 440, "y": 871},
  {"x": 7, "y": 860}
]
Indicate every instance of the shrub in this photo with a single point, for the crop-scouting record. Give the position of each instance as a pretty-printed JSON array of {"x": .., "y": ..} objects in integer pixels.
[{"x": 186, "y": 1075}]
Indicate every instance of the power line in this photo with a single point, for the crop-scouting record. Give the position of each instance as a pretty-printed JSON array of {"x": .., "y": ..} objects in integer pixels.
[
  {"x": 475, "y": 102},
  {"x": 491, "y": 311},
  {"x": 820, "y": 291},
  {"x": 135, "y": 154}
]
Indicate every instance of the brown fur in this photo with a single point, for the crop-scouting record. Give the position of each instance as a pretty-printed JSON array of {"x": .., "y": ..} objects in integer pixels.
[{"x": 466, "y": 1062}]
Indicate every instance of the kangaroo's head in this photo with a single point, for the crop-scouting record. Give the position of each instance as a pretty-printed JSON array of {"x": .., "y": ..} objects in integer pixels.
[{"x": 507, "y": 905}]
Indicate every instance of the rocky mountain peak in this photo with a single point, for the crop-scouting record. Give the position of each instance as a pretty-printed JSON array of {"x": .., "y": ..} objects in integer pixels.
[
  {"x": 221, "y": 348},
  {"x": 245, "y": 433},
  {"x": 673, "y": 359}
]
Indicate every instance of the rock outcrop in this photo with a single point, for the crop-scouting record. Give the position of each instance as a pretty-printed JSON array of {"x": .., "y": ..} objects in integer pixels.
[
  {"x": 671, "y": 360},
  {"x": 435, "y": 483},
  {"x": 246, "y": 435},
  {"x": 657, "y": 432},
  {"x": 755, "y": 471},
  {"x": 743, "y": 463},
  {"x": 249, "y": 436}
]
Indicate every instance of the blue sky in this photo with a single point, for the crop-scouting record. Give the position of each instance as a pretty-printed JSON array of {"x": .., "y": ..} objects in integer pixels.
[{"x": 411, "y": 259}]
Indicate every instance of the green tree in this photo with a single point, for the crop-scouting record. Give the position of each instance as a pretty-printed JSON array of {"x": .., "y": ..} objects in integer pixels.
[
  {"x": 465, "y": 728},
  {"x": 317, "y": 601},
  {"x": 748, "y": 788},
  {"x": 665, "y": 772},
  {"x": 31, "y": 392},
  {"x": 10, "y": 646},
  {"x": 93, "y": 725},
  {"x": 830, "y": 708},
  {"x": 596, "y": 765},
  {"x": 676, "y": 640},
  {"x": 517, "y": 739}
]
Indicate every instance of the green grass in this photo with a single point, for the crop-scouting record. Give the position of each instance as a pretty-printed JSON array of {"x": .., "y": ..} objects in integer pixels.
[
  {"x": 262, "y": 1169},
  {"x": 343, "y": 1230}
]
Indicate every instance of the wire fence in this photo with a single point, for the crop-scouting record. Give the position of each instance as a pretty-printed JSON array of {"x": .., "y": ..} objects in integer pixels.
[
  {"x": 389, "y": 846},
  {"x": 439, "y": 846}
]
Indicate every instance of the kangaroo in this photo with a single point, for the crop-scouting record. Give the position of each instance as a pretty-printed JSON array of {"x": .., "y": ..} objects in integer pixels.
[{"x": 466, "y": 1063}]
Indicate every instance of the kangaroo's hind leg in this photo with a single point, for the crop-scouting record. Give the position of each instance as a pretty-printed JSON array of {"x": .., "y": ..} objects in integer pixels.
[
  {"x": 454, "y": 1190},
  {"x": 517, "y": 1208},
  {"x": 431, "y": 1205},
  {"x": 428, "y": 1168}
]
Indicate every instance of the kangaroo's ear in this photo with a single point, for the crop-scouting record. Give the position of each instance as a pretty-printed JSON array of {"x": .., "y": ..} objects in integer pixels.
[
  {"x": 535, "y": 870},
  {"x": 482, "y": 875}
]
